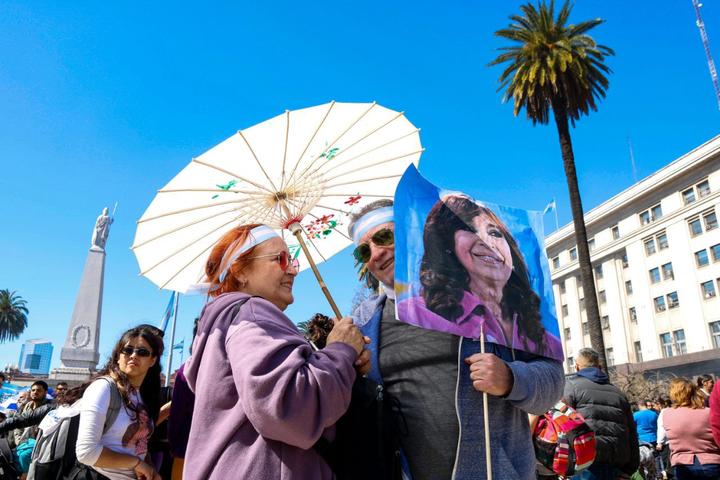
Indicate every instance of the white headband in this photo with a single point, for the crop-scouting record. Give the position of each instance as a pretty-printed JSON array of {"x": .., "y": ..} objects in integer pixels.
[
  {"x": 371, "y": 220},
  {"x": 256, "y": 236}
]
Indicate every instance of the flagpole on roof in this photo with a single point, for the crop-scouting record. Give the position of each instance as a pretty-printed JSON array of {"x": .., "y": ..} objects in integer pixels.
[
  {"x": 557, "y": 225},
  {"x": 172, "y": 341}
]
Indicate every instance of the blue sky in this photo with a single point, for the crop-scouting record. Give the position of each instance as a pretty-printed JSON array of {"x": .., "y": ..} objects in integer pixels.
[{"x": 103, "y": 102}]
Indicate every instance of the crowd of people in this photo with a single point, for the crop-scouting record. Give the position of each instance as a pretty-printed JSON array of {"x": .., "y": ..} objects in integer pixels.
[{"x": 258, "y": 400}]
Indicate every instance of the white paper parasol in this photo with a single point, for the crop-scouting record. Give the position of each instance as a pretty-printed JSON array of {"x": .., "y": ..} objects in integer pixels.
[{"x": 303, "y": 170}]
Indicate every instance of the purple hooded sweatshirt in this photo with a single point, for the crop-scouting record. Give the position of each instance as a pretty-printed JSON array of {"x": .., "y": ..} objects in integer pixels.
[{"x": 263, "y": 396}]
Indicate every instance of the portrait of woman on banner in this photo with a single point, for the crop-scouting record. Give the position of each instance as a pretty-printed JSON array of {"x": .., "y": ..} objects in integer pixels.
[{"x": 473, "y": 272}]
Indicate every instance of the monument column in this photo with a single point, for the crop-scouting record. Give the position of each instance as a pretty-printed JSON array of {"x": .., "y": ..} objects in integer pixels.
[{"x": 80, "y": 353}]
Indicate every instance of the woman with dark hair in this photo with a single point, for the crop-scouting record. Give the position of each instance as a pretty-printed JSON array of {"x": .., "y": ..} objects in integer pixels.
[
  {"x": 705, "y": 384},
  {"x": 263, "y": 395},
  {"x": 119, "y": 452},
  {"x": 693, "y": 451},
  {"x": 473, "y": 273}
]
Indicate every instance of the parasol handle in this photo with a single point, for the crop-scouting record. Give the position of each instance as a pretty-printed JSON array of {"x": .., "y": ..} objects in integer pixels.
[
  {"x": 486, "y": 415},
  {"x": 297, "y": 231}
]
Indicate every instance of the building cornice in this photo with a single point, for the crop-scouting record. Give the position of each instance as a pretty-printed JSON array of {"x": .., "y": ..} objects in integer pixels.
[{"x": 645, "y": 186}]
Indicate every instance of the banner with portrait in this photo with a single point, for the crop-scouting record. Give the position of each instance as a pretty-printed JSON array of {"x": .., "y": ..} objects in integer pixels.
[{"x": 461, "y": 263}]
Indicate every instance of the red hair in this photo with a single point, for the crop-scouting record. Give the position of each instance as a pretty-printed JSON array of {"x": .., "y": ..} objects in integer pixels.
[{"x": 230, "y": 283}]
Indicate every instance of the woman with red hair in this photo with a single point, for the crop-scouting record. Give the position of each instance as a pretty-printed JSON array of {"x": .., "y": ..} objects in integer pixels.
[
  {"x": 694, "y": 453},
  {"x": 264, "y": 395}
]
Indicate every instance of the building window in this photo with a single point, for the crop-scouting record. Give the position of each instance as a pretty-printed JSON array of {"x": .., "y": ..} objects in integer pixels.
[
  {"x": 585, "y": 328},
  {"x": 715, "y": 250},
  {"x": 591, "y": 244},
  {"x": 628, "y": 287},
  {"x": 602, "y": 297},
  {"x": 638, "y": 352},
  {"x": 688, "y": 196},
  {"x": 695, "y": 226},
  {"x": 562, "y": 286},
  {"x": 708, "y": 289},
  {"x": 662, "y": 240},
  {"x": 654, "y": 275},
  {"x": 667, "y": 271},
  {"x": 556, "y": 262},
  {"x": 715, "y": 334},
  {"x": 605, "y": 322},
  {"x": 615, "y": 232},
  {"x": 703, "y": 189},
  {"x": 567, "y": 333},
  {"x": 650, "y": 215},
  {"x": 633, "y": 314},
  {"x": 564, "y": 310},
  {"x": 701, "y": 258},
  {"x": 649, "y": 246},
  {"x": 598, "y": 272},
  {"x": 679, "y": 338},
  {"x": 610, "y": 357},
  {"x": 625, "y": 262},
  {"x": 673, "y": 300},
  {"x": 573, "y": 253},
  {"x": 570, "y": 362},
  {"x": 711, "y": 222},
  {"x": 666, "y": 345},
  {"x": 659, "y": 304}
]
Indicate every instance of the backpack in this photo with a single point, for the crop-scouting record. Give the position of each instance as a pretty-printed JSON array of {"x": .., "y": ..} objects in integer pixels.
[
  {"x": 563, "y": 442},
  {"x": 54, "y": 455},
  {"x": 368, "y": 435}
]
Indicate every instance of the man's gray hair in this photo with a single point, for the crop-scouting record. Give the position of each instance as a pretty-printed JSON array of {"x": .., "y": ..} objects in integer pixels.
[
  {"x": 354, "y": 217},
  {"x": 588, "y": 357}
]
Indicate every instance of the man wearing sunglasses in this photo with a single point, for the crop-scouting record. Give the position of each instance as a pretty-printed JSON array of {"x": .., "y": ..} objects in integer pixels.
[{"x": 427, "y": 372}]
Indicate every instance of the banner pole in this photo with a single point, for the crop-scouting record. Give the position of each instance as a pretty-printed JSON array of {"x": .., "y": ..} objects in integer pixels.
[{"x": 172, "y": 341}]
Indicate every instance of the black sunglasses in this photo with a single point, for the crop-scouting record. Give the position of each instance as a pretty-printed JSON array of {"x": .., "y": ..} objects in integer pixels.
[
  {"x": 140, "y": 352},
  {"x": 384, "y": 237}
]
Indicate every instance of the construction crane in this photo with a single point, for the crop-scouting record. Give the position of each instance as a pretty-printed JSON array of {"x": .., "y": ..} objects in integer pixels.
[{"x": 706, "y": 43}]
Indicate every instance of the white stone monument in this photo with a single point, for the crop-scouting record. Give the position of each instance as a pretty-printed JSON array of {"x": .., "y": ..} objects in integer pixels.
[{"x": 80, "y": 353}]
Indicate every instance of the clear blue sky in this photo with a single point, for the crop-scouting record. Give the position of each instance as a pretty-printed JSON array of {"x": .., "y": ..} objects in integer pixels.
[{"x": 106, "y": 101}]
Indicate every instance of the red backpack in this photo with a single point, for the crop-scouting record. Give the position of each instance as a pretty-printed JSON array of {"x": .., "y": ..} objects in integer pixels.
[{"x": 563, "y": 441}]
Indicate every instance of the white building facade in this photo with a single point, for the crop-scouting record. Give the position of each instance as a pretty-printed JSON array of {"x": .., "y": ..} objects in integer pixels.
[{"x": 655, "y": 250}]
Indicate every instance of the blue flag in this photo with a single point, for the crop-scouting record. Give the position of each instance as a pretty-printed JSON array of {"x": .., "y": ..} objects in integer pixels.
[
  {"x": 180, "y": 345},
  {"x": 168, "y": 313}
]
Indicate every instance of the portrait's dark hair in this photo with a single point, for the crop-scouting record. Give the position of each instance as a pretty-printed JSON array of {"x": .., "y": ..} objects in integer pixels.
[
  {"x": 150, "y": 388},
  {"x": 40, "y": 383},
  {"x": 444, "y": 279},
  {"x": 370, "y": 281}
]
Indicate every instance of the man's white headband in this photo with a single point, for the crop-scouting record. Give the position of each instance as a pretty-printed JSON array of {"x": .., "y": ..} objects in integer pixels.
[
  {"x": 371, "y": 220},
  {"x": 255, "y": 237}
]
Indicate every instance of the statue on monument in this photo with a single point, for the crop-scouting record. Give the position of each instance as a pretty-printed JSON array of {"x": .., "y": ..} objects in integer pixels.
[{"x": 102, "y": 229}]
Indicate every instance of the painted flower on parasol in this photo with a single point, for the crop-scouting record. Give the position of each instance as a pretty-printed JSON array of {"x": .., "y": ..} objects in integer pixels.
[{"x": 300, "y": 172}]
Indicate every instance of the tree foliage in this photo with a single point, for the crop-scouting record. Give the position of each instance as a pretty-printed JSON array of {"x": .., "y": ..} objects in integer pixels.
[{"x": 13, "y": 315}]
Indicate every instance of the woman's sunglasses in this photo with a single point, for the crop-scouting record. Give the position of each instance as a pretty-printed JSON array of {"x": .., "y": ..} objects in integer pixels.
[
  {"x": 140, "y": 352},
  {"x": 382, "y": 238},
  {"x": 283, "y": 258}
]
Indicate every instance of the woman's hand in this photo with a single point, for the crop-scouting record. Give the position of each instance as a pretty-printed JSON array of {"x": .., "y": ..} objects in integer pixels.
[
  {"x": 363, "y": 363},
  {"x": 144, "y": 471},
  {"x": 345, "y": 331}
]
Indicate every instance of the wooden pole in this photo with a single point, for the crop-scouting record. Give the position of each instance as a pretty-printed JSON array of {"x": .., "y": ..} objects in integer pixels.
[{"x": 486, "y": 416}]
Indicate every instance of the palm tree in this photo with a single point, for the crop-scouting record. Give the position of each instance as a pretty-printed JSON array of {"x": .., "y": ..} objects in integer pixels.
[
  {"x": 555, "y": 65},
  {"x": 13, "y": 315}
]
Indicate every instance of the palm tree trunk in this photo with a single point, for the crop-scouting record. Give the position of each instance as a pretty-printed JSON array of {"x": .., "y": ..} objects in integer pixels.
[{"x": 586, "y": 271}]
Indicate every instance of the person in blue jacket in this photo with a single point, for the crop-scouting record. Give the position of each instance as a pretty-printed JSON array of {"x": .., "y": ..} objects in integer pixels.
[{"x": 439, "y": 378}]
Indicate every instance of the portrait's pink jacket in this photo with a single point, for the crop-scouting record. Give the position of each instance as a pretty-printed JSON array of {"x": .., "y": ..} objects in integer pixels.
[
  {"x": 414, "y": 311},
  {"x": 263, "y": 396}
]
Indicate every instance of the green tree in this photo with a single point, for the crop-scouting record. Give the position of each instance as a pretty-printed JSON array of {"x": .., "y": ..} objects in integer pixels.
[
  {"x": 13, "y": 315},
  {"x": 553, "y": 65}
]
